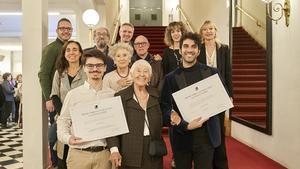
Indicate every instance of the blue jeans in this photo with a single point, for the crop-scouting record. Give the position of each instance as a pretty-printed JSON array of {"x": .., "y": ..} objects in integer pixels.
[{"x": 52, "y": 138}]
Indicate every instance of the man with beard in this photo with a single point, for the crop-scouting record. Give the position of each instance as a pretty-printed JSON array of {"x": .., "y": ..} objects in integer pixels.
[
  {"x": 101, "y": 40},
  {"x": 85, "y": 154},
  {"x": 193, "y": 142}
]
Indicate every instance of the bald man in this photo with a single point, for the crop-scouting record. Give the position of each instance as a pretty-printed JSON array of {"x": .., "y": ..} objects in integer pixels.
[{"x": 141, "y": 46}]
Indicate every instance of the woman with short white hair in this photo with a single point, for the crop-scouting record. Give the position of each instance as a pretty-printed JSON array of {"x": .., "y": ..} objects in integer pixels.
[{"x": 144, "y": 120}]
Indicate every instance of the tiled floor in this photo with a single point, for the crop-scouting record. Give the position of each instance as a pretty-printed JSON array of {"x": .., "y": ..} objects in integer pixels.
[{"x": 11, "y": 155}]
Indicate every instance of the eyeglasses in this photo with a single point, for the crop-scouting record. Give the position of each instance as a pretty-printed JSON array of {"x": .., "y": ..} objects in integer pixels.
[
  {"x": 65, "y": 29},
  {"x": 92, "y": 66},
  {"x": 140, "y": 44},
  {"x": 101, "y": 34}
]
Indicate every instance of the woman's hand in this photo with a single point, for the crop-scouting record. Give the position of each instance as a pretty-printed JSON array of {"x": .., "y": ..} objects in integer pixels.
[
  {"x": 115, "y": 159},
  {"x": 157, "y": 57},
  {"x": 196, "y": 123},
  {"x": 175, "y": 118},
  {"x": 124, "y": 82}
]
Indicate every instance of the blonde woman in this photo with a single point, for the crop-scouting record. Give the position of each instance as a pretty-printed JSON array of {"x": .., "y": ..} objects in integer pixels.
[
  {"x": 119, "y": 78},
  {"x": 215, "y": 54}
]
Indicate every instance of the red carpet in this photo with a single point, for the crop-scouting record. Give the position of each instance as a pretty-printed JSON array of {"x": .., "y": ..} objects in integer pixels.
[{"x": 240, "y": 156}]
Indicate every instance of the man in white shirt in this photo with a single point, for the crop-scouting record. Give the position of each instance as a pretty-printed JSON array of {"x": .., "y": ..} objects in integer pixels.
[{"x": 85, "y": 154}]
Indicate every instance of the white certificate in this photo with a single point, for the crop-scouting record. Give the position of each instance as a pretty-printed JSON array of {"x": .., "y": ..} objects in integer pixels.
[
  {"x": 205, "y": 98},
  {"x": 99, "y": 119}
]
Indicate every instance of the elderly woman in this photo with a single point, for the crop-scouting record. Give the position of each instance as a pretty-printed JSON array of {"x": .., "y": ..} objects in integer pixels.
[
  {"x": 119, "y": 78},
  {"x": 144, "y": 119},
  {"x": 69, "y": 75}
]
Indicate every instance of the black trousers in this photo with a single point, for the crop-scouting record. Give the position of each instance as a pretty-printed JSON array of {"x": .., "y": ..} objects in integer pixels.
[
  {"x": 6, "y": 110},
  {"x": 220, "y": 156},
  {"x": 201, "y": 155}
]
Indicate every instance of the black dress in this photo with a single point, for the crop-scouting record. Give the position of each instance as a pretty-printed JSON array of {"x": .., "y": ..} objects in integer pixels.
[{"x": 171, "y": 60}]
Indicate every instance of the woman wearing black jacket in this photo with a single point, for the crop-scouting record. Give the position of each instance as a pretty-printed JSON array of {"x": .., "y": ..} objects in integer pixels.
[{"x": 215, "y": 54}]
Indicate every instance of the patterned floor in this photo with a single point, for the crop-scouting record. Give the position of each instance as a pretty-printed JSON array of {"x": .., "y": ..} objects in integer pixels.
[{"x": 11, "y": 147}]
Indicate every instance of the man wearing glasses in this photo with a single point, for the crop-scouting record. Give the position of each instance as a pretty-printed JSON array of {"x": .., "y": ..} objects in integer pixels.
[
  {"x": 141, "y": 46},
  {"x": 101, "y": 40},
  {"x": 85, "y": 154},
  {"x": 47, "y": 69}
]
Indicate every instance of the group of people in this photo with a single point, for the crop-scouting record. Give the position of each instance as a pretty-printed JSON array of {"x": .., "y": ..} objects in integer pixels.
[
  {"x": 10, "y": 100},
  {"x": 145, "y": 82}
]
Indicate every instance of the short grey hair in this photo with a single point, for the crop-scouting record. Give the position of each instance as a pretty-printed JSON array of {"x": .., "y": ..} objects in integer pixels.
[
  {"x": 113, "y": 50},
  {"x": 141, "y": 63}
]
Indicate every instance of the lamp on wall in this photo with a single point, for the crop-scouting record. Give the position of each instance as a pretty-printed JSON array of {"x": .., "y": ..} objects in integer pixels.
[
  {"x": 283, "y": 9},
  {"x": 90, "y": 17}
]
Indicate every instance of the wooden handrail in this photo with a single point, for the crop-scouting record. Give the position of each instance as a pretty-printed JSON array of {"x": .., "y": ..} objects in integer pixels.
[
  {"x": 184, "y": 17},
  {"x": 259, "y": 24},
  {"x": 116, "y": 26}
]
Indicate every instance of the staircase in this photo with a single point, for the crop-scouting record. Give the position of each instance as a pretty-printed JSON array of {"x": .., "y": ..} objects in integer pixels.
[
  {"x": 155, "y": 35},
  {"x": 249, "y": 78}
]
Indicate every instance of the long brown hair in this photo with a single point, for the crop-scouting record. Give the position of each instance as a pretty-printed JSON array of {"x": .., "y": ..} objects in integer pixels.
[
  {"x": 172, "y": 26},
  {"x": 62, "y": 64}
]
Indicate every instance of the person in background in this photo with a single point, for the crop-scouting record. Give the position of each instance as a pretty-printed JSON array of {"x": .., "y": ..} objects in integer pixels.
[
  {"x": 119, "y": 78},
  {"x": 126, "y": 33},
  {"x": 69, "y": 75},
  {"x": 215, "y": 54},
  {"x": 18, "y": 84},
  {"x": 141, "y": 46},
  {"x": 47, "y": 69},
  {"x": 101, "y": 40},
  {"x": 144, "y": 118},
  {"x": 85, "y": 154},
  {"x": 8, "y": 105},
  {"x": 171, "y": 56}
]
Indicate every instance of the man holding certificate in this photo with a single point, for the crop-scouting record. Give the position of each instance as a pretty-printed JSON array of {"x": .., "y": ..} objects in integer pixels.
[
  {"x": 81, "y": 114},
  {"x": 194, "y": 139}
]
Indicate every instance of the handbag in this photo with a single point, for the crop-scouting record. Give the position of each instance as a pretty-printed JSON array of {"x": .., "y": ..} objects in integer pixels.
[{"x": 157, "y": 148}]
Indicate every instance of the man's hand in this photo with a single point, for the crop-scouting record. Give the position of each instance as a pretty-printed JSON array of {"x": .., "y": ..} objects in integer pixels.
[
  {"x": 175, "y": 118},
  {"x": 75, "y": 140},
  {"x": 124, "y": 82},
  {"x": 115, "y": 159},
  {"x": 157, "y": 57},
  {"x": 49, "y": 106},
  {"x": 197, "y": 123}
]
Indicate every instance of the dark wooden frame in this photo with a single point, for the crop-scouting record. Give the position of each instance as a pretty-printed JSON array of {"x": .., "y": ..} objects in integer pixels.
[{"x": 268, "y": 128}]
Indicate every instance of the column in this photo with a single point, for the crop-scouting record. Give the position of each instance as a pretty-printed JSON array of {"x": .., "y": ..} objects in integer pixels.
[{"x": 34, "y": 38}]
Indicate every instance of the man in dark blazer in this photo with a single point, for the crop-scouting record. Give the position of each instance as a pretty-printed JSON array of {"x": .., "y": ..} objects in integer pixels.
[{"x": 193, "y": 142}]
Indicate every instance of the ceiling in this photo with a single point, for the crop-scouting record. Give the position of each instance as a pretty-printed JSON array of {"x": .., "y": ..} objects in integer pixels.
[{"x": 10, "y": 25}]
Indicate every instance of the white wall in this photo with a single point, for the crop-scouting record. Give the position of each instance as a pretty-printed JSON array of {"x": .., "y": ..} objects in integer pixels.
[
  {"x": 258, "y": 10},
  {"x": 5, "y": 64},
  {"x": 169, "y": 13},
  {"x": 215, "y": 10},
  {"x": 284, "y": 145}
]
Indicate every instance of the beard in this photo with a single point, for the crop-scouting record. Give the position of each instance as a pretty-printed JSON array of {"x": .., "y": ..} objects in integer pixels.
[{"x": 102, "y": 44}]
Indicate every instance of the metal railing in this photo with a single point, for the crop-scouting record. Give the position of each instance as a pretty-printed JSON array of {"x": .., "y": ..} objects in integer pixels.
[
  {"x": 185, "y": 18},
  {"x": 258, "y": 23},
  {"x": 116, "y": 26}
]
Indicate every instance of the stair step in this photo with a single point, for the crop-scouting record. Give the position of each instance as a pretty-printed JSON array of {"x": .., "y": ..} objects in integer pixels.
[
  {"x": 248, "y": 71},
  {"x": 257, "y": 83},
  {"x": 248, "y": 61},
  {"x": 259, "y": 116},
  {"x": 248, "y": 66},
  {"x": 249, "y": 107},
  {"x": 247, "y": 98},
  {"x": 248, "y": 77},
  {"x": 250, "y": 90}
]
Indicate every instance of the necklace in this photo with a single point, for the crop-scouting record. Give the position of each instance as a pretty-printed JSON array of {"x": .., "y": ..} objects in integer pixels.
[
  {"x": 121, "y": 75},
  {"x": 178, "y": 60}
]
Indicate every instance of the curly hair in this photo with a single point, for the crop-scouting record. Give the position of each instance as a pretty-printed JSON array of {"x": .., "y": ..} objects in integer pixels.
[
  {"x": 173, "y": 26},
  {"x": 113, "y": 50},
  {"x": 62, "y": 64}
]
